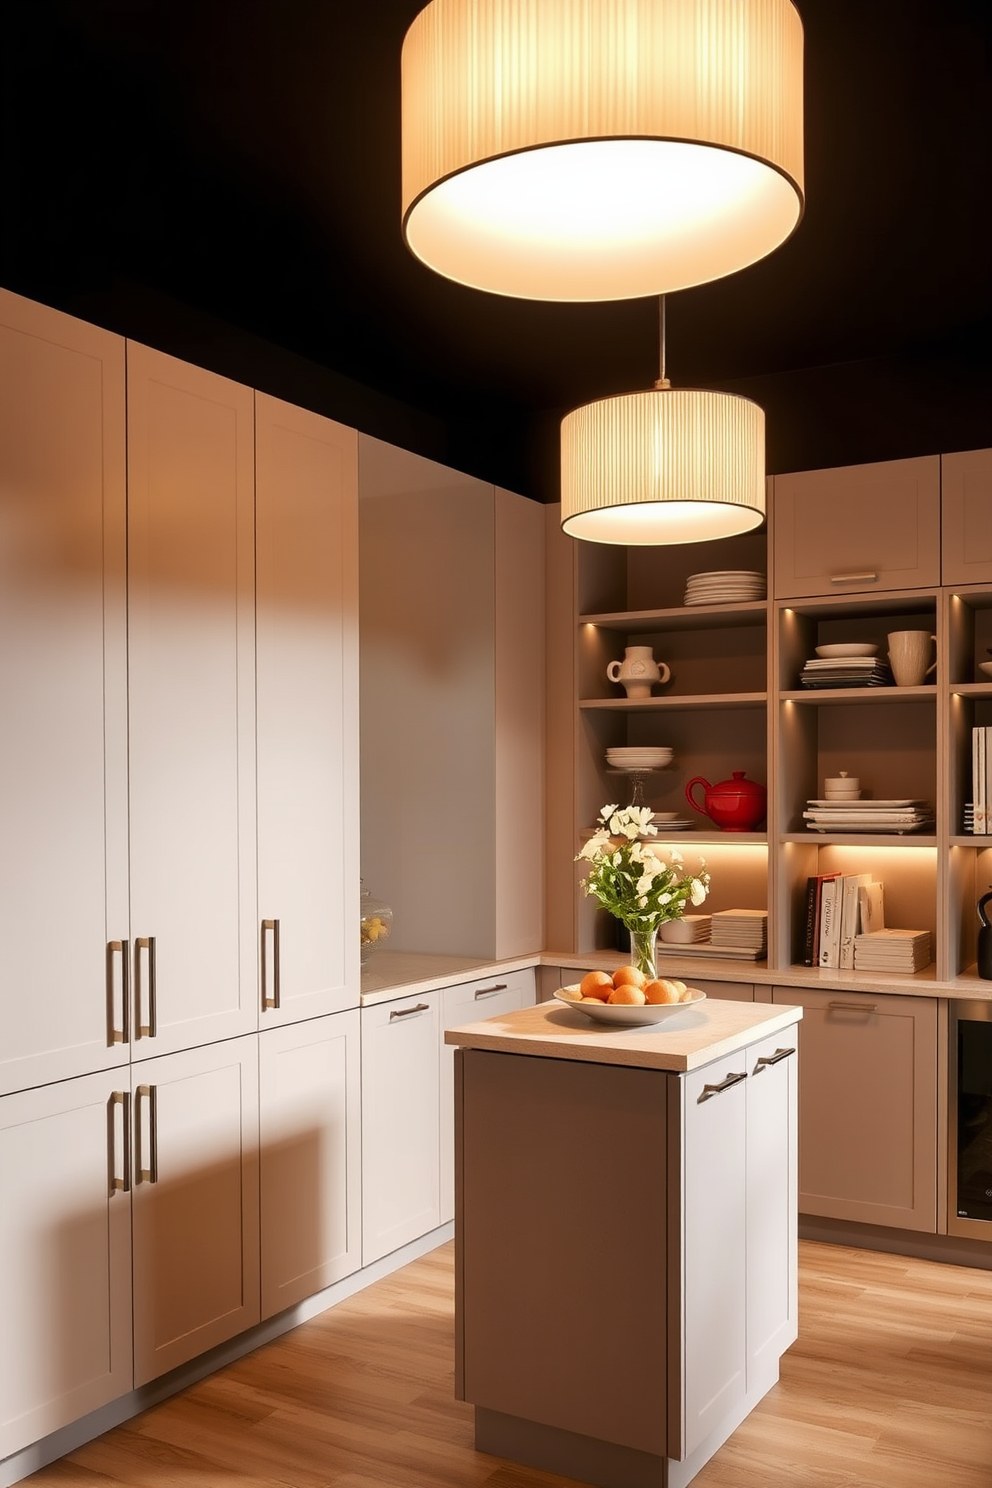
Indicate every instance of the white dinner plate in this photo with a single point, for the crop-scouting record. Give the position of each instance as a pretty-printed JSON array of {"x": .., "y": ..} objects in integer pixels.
[
  {"x": 624, "y": 1014},
  {"x": 847, "y": 648},
  {"x": 864, "y": 804}
]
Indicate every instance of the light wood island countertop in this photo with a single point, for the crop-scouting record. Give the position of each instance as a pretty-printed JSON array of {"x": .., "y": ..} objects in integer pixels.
[{"x": 687, "y": 1040}]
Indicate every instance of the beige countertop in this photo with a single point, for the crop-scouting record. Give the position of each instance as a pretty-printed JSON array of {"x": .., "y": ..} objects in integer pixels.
[
  {"x": 392, "y": 974},
  {"x": 692, "y": 1037}
]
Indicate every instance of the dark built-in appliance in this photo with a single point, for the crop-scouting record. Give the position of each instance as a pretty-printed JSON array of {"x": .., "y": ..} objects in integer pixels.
[{"x": 970, "y": 1124}]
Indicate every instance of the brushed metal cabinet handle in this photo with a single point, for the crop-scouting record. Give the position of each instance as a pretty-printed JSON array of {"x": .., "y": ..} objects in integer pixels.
[
  {"x": 149, "y": 1174},
  {"x": 851, "y": 578},
  {"x": 120, "y": 1098},
  {"x": 709, "y": 1091},
  {"x": 149, "y": 1029},
  {"x": 767, "y": 1059},
  {"x": 490, "y": 991},
  {"x": 852, "y": 1007},
  {"x": 120, "y": 1035},
  {"x": 275, "y": 1000},
  {"x": 421, "y": 1007}
]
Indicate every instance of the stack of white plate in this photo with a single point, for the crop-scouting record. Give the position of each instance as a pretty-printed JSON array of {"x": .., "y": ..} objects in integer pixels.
[
  {"x": 740, "y": 927},
  {"x": 639, "y": 757},
  {"x": 725, "y": 586}
]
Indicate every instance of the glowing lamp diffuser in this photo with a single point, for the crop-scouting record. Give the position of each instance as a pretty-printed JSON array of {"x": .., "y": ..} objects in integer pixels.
[{"x": 600, "y": 149}]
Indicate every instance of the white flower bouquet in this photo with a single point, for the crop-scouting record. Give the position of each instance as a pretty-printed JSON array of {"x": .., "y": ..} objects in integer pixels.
[{"x": 641, "y": 884}]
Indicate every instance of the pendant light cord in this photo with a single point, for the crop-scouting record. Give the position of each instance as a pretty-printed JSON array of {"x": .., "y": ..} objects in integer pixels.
[{"x": 662, "y": 380}]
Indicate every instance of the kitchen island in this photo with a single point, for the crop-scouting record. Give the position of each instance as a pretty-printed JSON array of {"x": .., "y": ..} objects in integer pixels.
[{"x": 625, "y": 1234}]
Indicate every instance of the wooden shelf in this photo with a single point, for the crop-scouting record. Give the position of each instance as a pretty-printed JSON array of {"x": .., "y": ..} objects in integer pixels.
[
  {"x": 677, "y": 703},
  {"x": 862, "y": 839},
  {"x": 689, "y": 617},
  {"x": 818, "y": 696}
]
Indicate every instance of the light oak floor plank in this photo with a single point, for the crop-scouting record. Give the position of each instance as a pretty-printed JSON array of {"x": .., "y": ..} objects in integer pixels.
[{"x": 889, "y": 1386}]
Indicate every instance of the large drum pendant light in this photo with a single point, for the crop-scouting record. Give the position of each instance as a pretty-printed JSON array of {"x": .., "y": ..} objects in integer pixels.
[
  {"x": 600, "y": 149},
  {"x": 667, "y": 465}
]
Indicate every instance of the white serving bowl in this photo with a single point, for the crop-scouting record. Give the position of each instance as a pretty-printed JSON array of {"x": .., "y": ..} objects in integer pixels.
[
  {"x": 985, "y": 667},
  {"x": 847, "y": 648}
]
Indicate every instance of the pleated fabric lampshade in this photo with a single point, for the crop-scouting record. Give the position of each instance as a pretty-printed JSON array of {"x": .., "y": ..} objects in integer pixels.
[
  {"x": 668, "y": 465},
  {"x": 600, "y": 149}
]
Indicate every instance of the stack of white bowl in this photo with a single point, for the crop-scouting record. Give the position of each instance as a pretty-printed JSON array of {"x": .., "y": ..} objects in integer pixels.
[
  {"x": 842, "y": 787},
  {"x": 638, "y": 757}
]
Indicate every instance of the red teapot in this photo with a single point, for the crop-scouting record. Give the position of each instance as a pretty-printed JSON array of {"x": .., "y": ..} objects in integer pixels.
[{"x": 736, "y": 805}]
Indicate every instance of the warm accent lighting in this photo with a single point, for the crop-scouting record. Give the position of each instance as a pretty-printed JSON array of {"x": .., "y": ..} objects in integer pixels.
[
  {"x": 600, "y": 149},
  {"x": 667, "y": 465}
]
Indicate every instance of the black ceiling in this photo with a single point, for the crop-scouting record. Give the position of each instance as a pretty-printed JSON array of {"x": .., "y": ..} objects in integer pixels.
[{"x": 221, "y": 178}]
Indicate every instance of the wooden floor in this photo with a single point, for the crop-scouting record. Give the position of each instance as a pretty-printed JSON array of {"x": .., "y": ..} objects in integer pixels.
[{"x": 889, "y": 1386}]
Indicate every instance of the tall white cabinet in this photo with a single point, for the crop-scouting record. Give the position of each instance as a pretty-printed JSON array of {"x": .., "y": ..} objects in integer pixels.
[
  {"x": 191, "y": 711},
  {"x": 180, "y": 863},
  {"x": 63, "y": 786}
]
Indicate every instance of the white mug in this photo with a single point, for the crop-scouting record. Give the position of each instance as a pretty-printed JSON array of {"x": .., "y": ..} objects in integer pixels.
[
  {"x": 638, "y": 672},
  {"x": 909, "y": 652}
]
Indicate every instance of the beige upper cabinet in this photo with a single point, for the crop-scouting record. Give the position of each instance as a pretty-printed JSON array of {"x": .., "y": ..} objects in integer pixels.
[
  {"x": 966, "y": 510},
  {"x": 306, "y": 480},
  {"x": 191, "y": 693},
  {"x": 858, "y": 529},
  {"x": 63, "y": 795}
]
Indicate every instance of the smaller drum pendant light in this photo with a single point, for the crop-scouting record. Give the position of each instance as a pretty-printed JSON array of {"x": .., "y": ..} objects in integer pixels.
[
  {"x": 600, "y": 149},
  {"x": 667, "y": 465}
]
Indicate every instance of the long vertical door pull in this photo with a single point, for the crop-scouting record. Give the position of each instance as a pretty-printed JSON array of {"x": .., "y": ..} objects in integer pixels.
[
  {"x": 273, "y": 1000},
  {"x": 120, "y": 1184},
  {"x": 141, "y": 1173},
  {"x": 145, "y": 943},
  {"x": 117, "y": 1035}
]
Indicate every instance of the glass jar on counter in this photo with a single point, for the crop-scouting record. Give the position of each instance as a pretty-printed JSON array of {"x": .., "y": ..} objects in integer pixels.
[{"x": 377, "y": 923}]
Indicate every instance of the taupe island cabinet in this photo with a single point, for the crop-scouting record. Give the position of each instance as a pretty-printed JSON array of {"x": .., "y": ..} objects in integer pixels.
[{"x": 625, "y": 1229}]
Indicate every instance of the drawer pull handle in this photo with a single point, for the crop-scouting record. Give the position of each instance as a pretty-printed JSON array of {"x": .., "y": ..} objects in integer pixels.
[
  {"x": 120, "y": 1035},
  {"x": 421, "y": 1007},
  {"x": 852, "y": 1007},
  {"x": 776, "y": 1058},
  {"x": 854, "y": 578},
  {"x": 149, "y": 1029},
  {"x": 149, "y": 1174},
  {"x": 709, "y": 1091},
  {"x": 489, "y": 991},
  {"x": 274, "y": 1000},
  {"x": 120, "y": 1098}
]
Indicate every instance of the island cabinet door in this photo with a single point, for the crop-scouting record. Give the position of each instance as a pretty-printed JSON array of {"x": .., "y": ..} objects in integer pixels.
[
  {"x": 712, "y": 1339},
  {"x": 772, "y": 1183}
]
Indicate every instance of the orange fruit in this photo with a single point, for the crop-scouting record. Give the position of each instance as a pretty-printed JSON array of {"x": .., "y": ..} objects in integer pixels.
[
  {"x": 627, "y": 993},
  {"x": 597, "y": 985},
  {"x": 628, "y": 976},
  {"x": 661, "y": 990}
]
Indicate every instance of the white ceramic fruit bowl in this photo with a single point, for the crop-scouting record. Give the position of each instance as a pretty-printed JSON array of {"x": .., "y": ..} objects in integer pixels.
[{"x": 846, "y": 648}]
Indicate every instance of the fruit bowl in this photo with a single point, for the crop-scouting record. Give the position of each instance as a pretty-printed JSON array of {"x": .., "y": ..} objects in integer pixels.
[{"x": 626, "y": 1015}]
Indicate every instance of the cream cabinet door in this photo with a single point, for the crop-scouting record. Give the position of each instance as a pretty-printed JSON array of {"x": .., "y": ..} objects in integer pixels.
[
  {"x": 307, "y": 679},
  {"x": 194, "y": 1202},
  {"x": 868, "y": 1107},
  {"x": 966, "y": 517},
  {"x": 310, "y": 1158},
  {"x": 857, "y": 529},
  {"x": 400, "y": 1136},
  {"x": 63, "y": 790},
  {"x": 714, "y": 1246},
  {"x": 471, "y": 1002},
  {"x": 65, "y": 1240},
  {"x": 772, "y": 1215},
  {"x": 191, "y": 627}
]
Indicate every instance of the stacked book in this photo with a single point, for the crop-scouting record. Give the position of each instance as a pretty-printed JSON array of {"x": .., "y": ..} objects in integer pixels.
[
  {"x": 840, "y": 907},
  {"x": 846, "y": 671},
  {"x": 741, "y": 929},
  {"x": 981, "y": 782},
  {"x": 902, "y": 951},
  {"x": 907, "y": 815}
]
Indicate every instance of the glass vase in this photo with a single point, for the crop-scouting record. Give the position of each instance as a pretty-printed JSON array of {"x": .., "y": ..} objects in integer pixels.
[{"x": 642, "y": 951}]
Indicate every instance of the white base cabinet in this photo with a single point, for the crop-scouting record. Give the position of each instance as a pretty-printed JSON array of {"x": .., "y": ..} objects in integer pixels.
[
  {"x": 65, "y": 1240},
  {"x": 470, "y": 1002},
  {"x": 194, "y": 1202},
  {"x": 310, "y": 1117},
  {"x": 400, "y": 1123}
]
